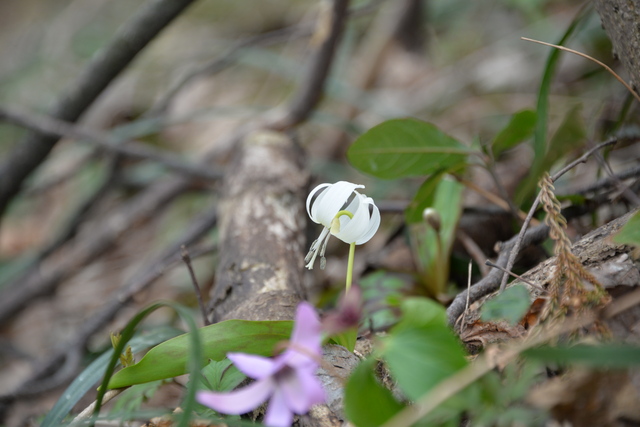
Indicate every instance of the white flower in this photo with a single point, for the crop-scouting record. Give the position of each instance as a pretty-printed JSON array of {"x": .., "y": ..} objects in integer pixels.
[{"x": 350, "y": 216}]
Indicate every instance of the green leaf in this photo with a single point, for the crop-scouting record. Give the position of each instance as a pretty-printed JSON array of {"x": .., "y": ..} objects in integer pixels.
[
  {"x": 192, "y": 364},
  {"x": 132, "y": 398},
  {"x": 406, "y": 147},
  {"x": 424, "y": 198},
  {"x": 380, "y": 291},
  {"x": 420, "y": 312},
  {"x": 90, "y": 376},
  {"x": 570, "y": 135},
  {"x": 434, "y": 249},
  {"x": 520, "y": 128},
  {"x": 630, "y": 233},
  {"x": 422, "y": 351},
  {"x": 169, "y": 359},
  {"x": 599, "y": 356},
  {"x": 347, "y": 339},
  {"x": 510, "y": 305},
  {"x": 542, "y": 113},
  {"x": 366, "y": 402},
  {"x": 221, "y": 376}
]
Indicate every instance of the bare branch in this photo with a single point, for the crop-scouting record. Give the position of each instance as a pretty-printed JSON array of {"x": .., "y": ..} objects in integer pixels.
[
  {"x": 311, "y": 89},
  {"x": 134, "y": 149},
  {"x": 105, "y": 66}
]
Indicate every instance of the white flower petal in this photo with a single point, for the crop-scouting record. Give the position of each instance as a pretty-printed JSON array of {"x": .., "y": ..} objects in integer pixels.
[
  {"x": 330, "y": 201},
  {"x": 314, "y": 192},
  {"x": 374, "y": 223}
]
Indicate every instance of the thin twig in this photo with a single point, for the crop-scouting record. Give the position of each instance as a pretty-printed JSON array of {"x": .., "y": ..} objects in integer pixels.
[
  {"x": 102, "y": 69},
  {"x": 473, "y": 250},
  {"x": 466, "y": 306},
  {"x": 497, "y": 200},
  {"x": 534, "y": 206},
  {"x": 220, "y": 63},
  {"x": 88, "y": 411},
  {"x": 223, "y": 61},
  {"x": 626, "y": 192},
  {"x": 533, "y": 285},
  {"x": 606, "y": 183},
  {"x": 134, "y": 149},
  {"x": 584, "y": 55},
  {"x": 491, "y": 282},
  {"x": 184, "y": 252}
]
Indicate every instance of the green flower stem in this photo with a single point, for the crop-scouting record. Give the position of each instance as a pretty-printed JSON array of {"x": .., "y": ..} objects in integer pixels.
[{"x": 352, "y": 252}]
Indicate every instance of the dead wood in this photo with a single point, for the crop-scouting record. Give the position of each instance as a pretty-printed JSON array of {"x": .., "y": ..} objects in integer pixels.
[
  {"x": 609, "y": 262},
  {"x": 262, "y": 220},
  {"x": 620, "y": 20}
]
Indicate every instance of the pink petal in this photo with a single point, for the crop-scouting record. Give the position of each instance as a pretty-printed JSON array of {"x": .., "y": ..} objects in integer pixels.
[
  {"x": 256, "y": 367},
  {"x": 301, "y": 390},
  {"x": 278, "y": 412},
  {"x": 240, "y": 401},
  {"x": 306, "y": 337}
]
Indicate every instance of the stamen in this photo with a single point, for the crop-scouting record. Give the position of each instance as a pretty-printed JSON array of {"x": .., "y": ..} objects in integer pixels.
[{"x": 312, "y": 249}]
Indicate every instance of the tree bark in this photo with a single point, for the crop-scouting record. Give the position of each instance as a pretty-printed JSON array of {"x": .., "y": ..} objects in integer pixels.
[
  {"x": 262, "y": 220},
  {"x": 621, "y": 21}
]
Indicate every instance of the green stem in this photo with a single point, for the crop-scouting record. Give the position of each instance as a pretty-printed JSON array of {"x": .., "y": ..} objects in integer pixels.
[{"x": 352, "y": 253}]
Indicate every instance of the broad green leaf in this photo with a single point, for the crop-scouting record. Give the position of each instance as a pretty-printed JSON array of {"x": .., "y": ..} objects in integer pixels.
[
  {"x": 366, "y": 402},
  {"x": 422, "y": 351},
  {"x": 599, "y": 356},
  {"x": 169, "y": 359},
  {"x": 520, "y": 128},
  {"x": 510, "y": 305},
  {"x": 630, "y": 233},
  {"x": 406, "y": 147}
]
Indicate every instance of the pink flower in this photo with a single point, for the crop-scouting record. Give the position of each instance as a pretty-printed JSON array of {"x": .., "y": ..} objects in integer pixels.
[{"x": 288, "y": 380}]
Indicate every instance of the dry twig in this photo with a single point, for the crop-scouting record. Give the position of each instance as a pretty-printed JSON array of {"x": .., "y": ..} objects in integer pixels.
[
  {"x": 134, "y": 149},
  {"x": 128, "y": 42},
  {"x": 534, "y": 206}
]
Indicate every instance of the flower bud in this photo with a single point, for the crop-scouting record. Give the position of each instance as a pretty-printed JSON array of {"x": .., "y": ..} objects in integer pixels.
[{"x": 432, "y": 217}]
